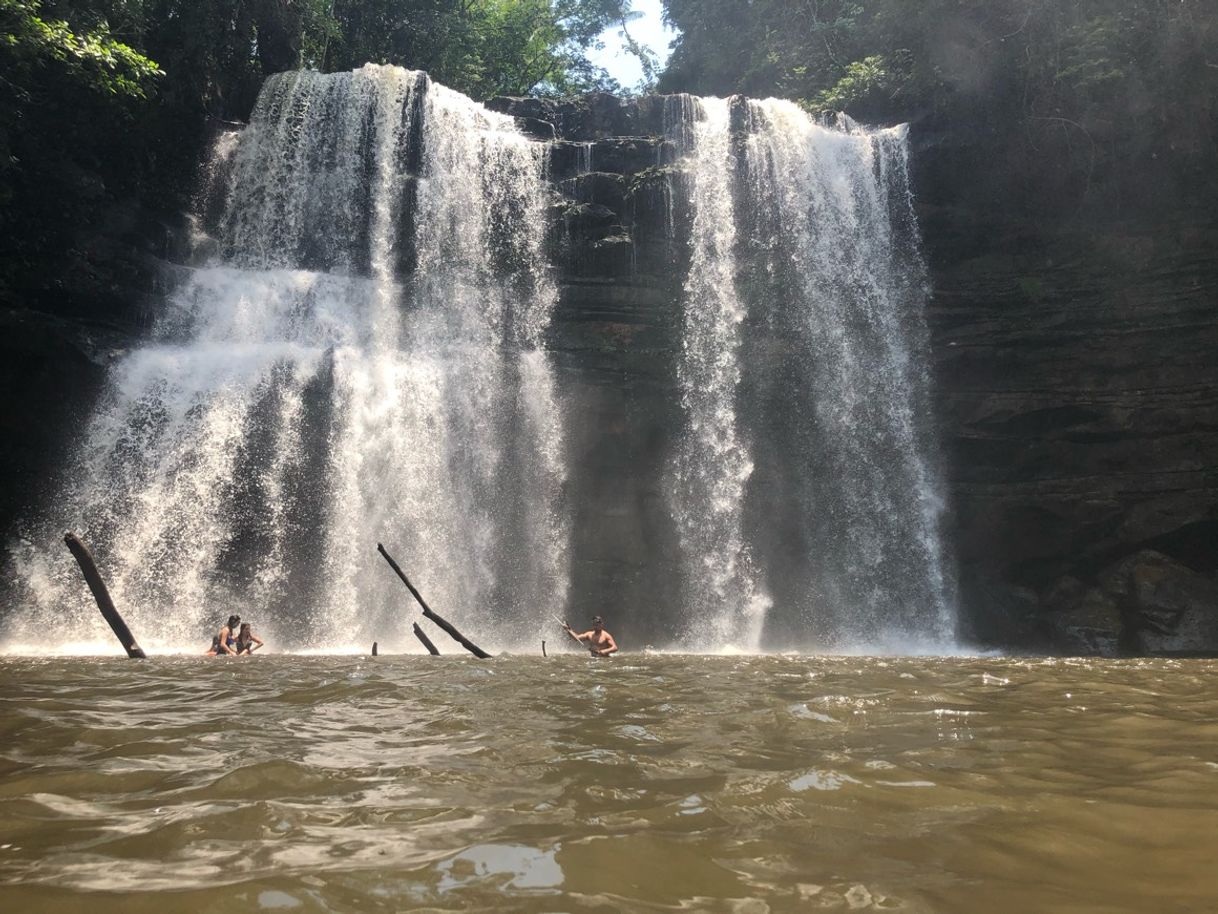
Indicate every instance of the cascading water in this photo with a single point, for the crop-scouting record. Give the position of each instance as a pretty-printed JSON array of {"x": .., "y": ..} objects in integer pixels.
[
  {"x": 804, "y": 471},
  {"x": 713, "y": 464},
  {"x": 363, "y": 360},
  {"x": 362, "y": 363}
]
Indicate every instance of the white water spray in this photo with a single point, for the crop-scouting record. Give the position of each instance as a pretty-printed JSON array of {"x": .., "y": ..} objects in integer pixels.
[
  {"x": 365, "y": 361},
  {"x": 713, "y": 463},
  {"x": 310, "y": 394},
  {"x": 806, "y": 233}
]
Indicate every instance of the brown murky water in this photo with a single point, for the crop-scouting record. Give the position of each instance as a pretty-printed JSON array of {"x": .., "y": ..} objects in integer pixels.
[{"x": 646, "y": 783}]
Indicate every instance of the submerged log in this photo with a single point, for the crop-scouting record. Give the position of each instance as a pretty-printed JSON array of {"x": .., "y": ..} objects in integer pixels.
[
  {"x": 440, "y": 621},
  {"x": 94, "y": 579},
  {"x": 422, "y": 636}
]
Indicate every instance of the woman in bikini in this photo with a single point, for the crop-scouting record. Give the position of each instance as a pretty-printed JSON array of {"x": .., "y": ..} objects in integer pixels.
[
  {"x": 247, "y": 641},
  {"x": 224, "y": 644}
]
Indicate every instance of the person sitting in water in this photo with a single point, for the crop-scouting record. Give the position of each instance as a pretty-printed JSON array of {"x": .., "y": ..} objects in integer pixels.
[
  {"x": 224, "y": 644},
  {"x": 599, "y": 641},
  {"x": 247, "y": 641}
]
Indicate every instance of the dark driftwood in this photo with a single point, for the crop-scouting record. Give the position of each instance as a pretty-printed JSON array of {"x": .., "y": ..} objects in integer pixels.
[
  {"x": 422, "y": 636},
  {"x": 94, "y": 579},
  {"x": 440, "y": 621},
  {"x": 373, "y": 648}
]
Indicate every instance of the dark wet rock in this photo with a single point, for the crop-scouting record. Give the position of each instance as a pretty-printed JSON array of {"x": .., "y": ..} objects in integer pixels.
[
  {"x": 630, "y": 155},
  {"x": 607, "y": 190},
  {"x": 592, "y": 116},
  {"x": 1082, "y": 618},
  {"x": 52, "y": 371},
  {"x": 569, "y": 159},
  {"x": 592, "y": 222},
  {"x": 536, "y": 128},
  {"x": 609, "y": 258},
  {"x": 1166, "y": 608},
  {"x": 542, "y": 109},
  {"x": 1094, "y": 626},
  {"x": 1012, "y": 616}
]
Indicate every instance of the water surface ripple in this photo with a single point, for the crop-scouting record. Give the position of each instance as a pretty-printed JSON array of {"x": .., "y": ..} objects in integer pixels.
[{"x": 646, "y": 783}]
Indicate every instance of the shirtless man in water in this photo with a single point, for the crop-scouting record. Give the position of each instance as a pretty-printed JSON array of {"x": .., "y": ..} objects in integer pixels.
[{"x": 599, "y": 641}]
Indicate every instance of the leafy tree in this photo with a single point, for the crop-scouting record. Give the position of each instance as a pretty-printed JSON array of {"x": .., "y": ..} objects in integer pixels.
[
  {"x": 62, "y": 85},
  {"x": 109, "y": 100},
  {"x": 480, "y": 47},
  {"x": 1094, "y": 85}
]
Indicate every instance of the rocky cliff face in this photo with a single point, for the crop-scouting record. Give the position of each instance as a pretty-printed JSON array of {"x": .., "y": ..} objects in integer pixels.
[
  {"x": 1076, "y": 386},
  {"x": 1078, "y": 398},
  {"x": 621, "y": 266},
  {"x": 1077, "y": 389}
]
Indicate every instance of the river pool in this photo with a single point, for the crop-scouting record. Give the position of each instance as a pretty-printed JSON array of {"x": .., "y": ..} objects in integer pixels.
[{"x": 643, "y": 783}]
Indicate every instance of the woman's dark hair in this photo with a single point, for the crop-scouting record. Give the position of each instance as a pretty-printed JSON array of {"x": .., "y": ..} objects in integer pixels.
[{"x": 233, "y": 620}]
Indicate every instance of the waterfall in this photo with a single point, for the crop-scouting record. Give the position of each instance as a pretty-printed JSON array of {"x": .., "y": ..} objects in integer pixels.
[
  {"x": 364, "y": 358},
  {"x": 804, "y": 475},
  {"x": 724, "y": 605},
  {"x": 363, "y": 362}
]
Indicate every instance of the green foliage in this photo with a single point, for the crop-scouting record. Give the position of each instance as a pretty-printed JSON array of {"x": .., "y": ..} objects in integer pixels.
[
  {"x": 93, "y": 58},
  {"x": 480, "y": 47},
  {"x": 1045, "y": 54},
  {"x": 1060, "y": 106},
  {"x": 864, "y": 79},
  {"x": 68, "y": 95},
  {"x": 88, "y": 118}
]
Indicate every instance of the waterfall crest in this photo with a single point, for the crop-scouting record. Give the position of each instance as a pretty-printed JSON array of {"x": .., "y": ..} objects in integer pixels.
[{"x": 362, "y": 362}]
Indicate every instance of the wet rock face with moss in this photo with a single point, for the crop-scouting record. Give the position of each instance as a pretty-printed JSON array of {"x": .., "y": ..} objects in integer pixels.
[{"x": 621, "y": 260}]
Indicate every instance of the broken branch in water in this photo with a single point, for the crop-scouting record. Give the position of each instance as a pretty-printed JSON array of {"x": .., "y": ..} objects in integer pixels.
[
  {"x": 93, "y": 578},
  {"x": 422, "y": 636},
  {"x": 440, "y": 621}
]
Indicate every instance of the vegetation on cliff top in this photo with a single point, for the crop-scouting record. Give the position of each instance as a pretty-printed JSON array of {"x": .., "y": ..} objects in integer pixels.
[
  {"x": 105, "y": 100},
  {"x": 1110, "y": 91},
  {"x": 108, "y": 100}
]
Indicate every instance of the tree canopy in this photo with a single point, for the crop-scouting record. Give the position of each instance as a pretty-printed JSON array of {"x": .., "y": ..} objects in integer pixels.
[
  {"x": 480, "y": 47},
  {"x": 1106, "y": 89},
  {"x": 109, "y": 99},
  {"x": 841, "y": 53}
]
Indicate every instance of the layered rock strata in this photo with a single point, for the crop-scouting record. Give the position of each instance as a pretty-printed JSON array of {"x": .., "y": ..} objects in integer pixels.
[{"x": 1076, "y": 386}]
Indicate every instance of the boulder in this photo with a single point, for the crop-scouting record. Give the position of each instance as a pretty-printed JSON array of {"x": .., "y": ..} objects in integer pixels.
[
  {"x": 1166, "y": 607},
  {"x": 1081, "y": 619},
  {"x": 591, "y": 221},
  {"x": 536, "y": 128}
]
